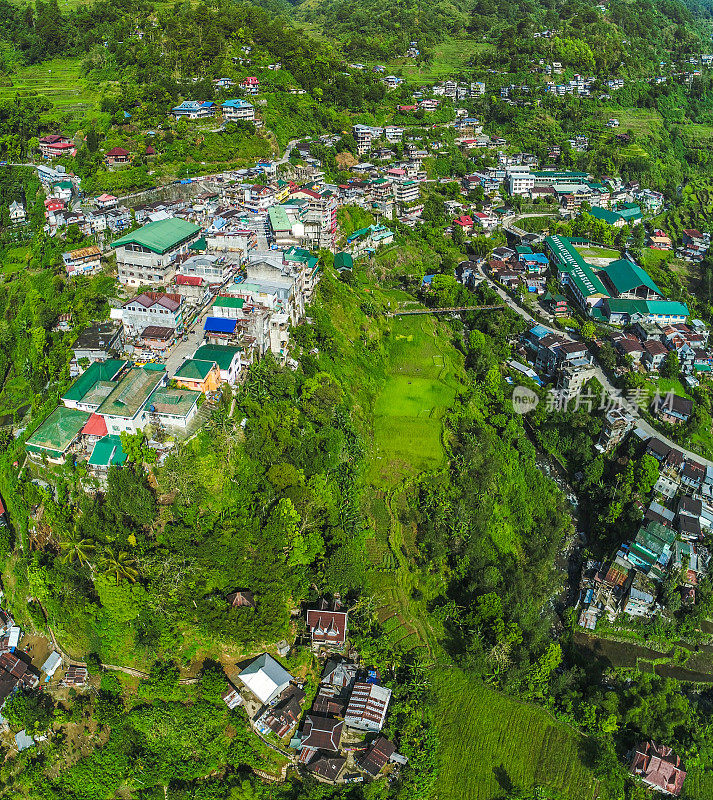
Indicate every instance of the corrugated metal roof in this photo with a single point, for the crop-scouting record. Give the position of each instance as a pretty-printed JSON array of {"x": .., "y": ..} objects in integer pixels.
[{"x": 160, "y": 236}]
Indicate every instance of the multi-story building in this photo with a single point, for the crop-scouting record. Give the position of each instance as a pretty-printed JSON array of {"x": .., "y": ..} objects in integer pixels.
[
  {"x": 148, "y": 255},
  {"x": 407, "y": 192},
  {"x": 194, "y": 109},
  {"x": 237, "y": 109},
  {"x": 520, "y": 179},
  {"x": 152, "y": 308}
]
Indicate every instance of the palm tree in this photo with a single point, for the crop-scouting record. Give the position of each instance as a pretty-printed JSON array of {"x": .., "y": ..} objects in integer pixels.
[
  {"x": 77, "y": 548},
  {"x": 120, "y": 565}
]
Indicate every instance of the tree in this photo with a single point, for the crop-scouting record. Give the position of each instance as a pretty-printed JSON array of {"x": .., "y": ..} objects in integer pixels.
[
  {"x": 670, "y": 366},
  {"x": 77, "y": 549},
  {"x": 119, "y": 565}
]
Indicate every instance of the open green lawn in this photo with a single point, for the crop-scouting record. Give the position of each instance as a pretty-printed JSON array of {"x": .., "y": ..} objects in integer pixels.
[
  {"x": 61, "y": 82},
  {"x": 449, "y": 57},
  {"x": 598, "y": 252},
  {"x": 491, "y": 743},
  {"x": 640, "y": 121},
  {"x": 653, "y": 258},
  {"x": 421, "y": 385}
]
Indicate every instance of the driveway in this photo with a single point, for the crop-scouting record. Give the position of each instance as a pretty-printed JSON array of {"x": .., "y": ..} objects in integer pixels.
[{"x": 599, "y": 374}]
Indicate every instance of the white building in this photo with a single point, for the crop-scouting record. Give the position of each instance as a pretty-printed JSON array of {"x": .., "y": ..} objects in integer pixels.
[
  {"x": 520, "y": 181},
  {"x": 265, "y": 678},
  {"x": 237, "y": 109}
]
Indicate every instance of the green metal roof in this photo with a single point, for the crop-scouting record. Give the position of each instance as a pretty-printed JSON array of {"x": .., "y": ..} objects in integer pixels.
[
  {"x": 229, "y": 302},
  {"x": 222, "y": 354},
  {"x": 58, "y": 431},
  {"x": 627, "y": 305},
  {"x": 571, "y": 263},
  {"x": 603, "y": 214},
  {"x": 160, "y": 236},
  {"x": 131, "y": 392},
  {"x": 195, "y": 369},
  {"x": 296, "y": 254},
  {"x": 199, "y": 244},
  {"x": 523, "y": 250},
  {"x": 279, "y": 221},
  {"x": 343, "y": 261},
  {"x": 95, "y": 373},
  {"x": 626, "y": 276},
  {"x": 176, "y": 402},
  {"x": 629, "y": 211},
  {"x": 107, "y": 452},
  {"x": 666, "y": 307}
]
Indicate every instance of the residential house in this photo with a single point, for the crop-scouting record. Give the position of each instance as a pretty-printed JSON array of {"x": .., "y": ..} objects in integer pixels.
[
  {"x": 117, "y": 155},
  {"x": 367, "y": 707},
  {"x": 651, "y": 549},
  {"x": 228, "y": 360},
  {"x": 56, "y": 145},
  {"x": 319, "y": 733},
  {"x": 125, "y": 407},
  {"x": 327, "y": 624},
  {"x": 155, "y": 339},
  {"x": 377, "y": 756},
  {"x": 194, "y": 109},
  {"x": 327, "y": 767},
  {"x": 17, "y": 213},
  {"x": 201, "y": 376},
  {"x": 152, "y": 308},
  {"x": 282, "y": 718},
  {"x": 654, "y": 354},
  {"x": 265, "y": 678},
  {"x": 642, "y": 596},
  {"x": 98, "y": 341},
  {"x": 237, "y": 109},
  {"x": 82, "y": 261},
  {"x": 250, "y": 85},
  {"x": 148, "y": 255},
  {"x": 672, "y": 408},
  {"x": 658, "y": 767},
  {"x": 56, "y": 438},
  {"x": 105, "y": 201},
  {"x": 87, "y": 393}
]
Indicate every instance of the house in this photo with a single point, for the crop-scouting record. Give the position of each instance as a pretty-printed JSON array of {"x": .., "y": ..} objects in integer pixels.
[
  {"x": 628, "y": 280},
  {"x": 155, "y": 338},
  {"x": 56, "y": 436},
  {"x": 198, "y": 375},
  {"x": 672, "y": 408},
  {"x": 89, "y": 390},
  {"x": 377, "y": 756},
  {"x": 651, "y": 549},
  {"x": 237, "y": 109},
  {"x": 75, "y": 675},
  {"x": 63, "y": 191},
  {"x": 367, "y": 707},
  {"x": 148, "y": 255},
  {"x": 327, "y": 767},
  {"x": 17, "y": 213},
  {"x": 124, "y": 408},
  {"x": 172, "y": 408},
  {"x": 227, "y": 358},
  {"x": 327, "y": 625},
  {"x": 98, "y": 341},
  {"x": 319, "y": 733},
  {"x": 194, "y": 109},
  {"x": 82, "y": 261},
  {"x": 338, "y": 676},
  {"x": 654, "y": 354},
  {"x": 465, "y": 223},
  {"x": 56, "y": 145},
  {"x": 51, "y": 665},
  {"x": 105, "y": 201},
  {"x": 242, "y": 598},
  {"x": 641, "y": 599},
  {"x": 265, "y": 678},
  {"x": 658, "y": 767},
  {"x": 283, "y": 717},
  {"x": 117, "y": 155},
  {"x": 231, "y": 697},
  {"x": 250, "y": 85},
  {"x": 152, "y": 309}
]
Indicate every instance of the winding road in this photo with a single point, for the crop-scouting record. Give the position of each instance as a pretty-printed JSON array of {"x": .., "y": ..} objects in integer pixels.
[{"x": 599, "y": 374}]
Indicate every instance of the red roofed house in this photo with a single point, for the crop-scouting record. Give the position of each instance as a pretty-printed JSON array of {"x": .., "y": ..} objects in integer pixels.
[
  {"x": 465, "y": 223},
  {"x": 189, "y": 280},
  {"x": 105, "y": 201},
  {"x": 117, "y": 155},
  {"x": 319, "y": 733},
  {"x": 149, "y": 151},
  {"x": 57, "y": 144},
  {"x": 94, "y": 430},
  {"x": 406, "y": 108},
  {"x": 658, "y": 767},
  {"x": 250, "y": 85},
  {"x": 327, "y": 624}
]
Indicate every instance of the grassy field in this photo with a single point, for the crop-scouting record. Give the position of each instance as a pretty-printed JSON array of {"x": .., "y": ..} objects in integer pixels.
[
  {"x": 421, "y": 385},
  {"x": 61, "y": 82},
  {"x": 449, "y": 58},
  {"x": 598, "y": 252},
  {"x": 14, "y": 259},
  {"x": 640, "y": 121},
  {"x": 491, "y": 743}
]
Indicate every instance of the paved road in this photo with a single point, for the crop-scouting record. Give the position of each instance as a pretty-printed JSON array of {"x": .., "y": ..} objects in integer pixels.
[
  {"x": 185, "y": 349},
  {"x": 599, "y": 374}
]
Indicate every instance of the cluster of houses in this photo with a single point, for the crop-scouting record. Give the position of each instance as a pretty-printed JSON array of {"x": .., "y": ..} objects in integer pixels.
[
  {"x": 339, "y": 738},
  {"x": 669, "y": 542}
]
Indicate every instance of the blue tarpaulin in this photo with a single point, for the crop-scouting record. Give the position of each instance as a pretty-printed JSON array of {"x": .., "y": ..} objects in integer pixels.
[{"x": 219, "y": 325}]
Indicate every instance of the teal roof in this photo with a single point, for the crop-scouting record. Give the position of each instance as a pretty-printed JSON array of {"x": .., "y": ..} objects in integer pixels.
[
  {"x": 132, "y": 391},
  {"x": 629, "y": 212},
  {"x": 523, "y": 250},
  {"x": 666, "y": 307},
  {"x": 107, "y": 452},
  {"x": 343, "y": 261},
  {"x": 222, "y": 354},
  {"x": 172, "y": 402},
  {"x": 603, "y": 214},
  {"x": 160, "y": 236},
  {"x": 228, "y": 302},
  {"x": 195, "y": 369},
  {"x": 199, "y": 244},
  {"x": 56, "y": 434},
  {"x": 95, "y": 373},
  {"x": 296, "y": 254},
  {"x": 571, "y": 263},
  {"x": 279, "y": 221},
  {"x": 628, "y": 305},
  {"x": 626, "y": 276}
]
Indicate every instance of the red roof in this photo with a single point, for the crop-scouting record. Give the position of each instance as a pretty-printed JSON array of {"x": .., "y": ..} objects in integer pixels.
[
  {"x": 464, "y": 221},
  {"x": 189, "y": 280},
  {"x": 117, "y": 151},
  {"x": 149, "y": 151},
  {"x": 658, "y": 766},
  {"x": 251, "y": 81},
  {"x": 693, "y": 233},
  {"x": 327, "y": 625},
  {"x": 95, "y": 426}
]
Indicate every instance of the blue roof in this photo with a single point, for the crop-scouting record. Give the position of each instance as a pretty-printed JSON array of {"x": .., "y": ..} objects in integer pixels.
[
  {"x": 539, "y": 331},
  {"x": 236, "y": 103},
  {"x": 193, "y": 105},
  {"x": 427, "y": 280},
  {"x": 220, "y": 325},
  {"x": 540, "y": 258}
]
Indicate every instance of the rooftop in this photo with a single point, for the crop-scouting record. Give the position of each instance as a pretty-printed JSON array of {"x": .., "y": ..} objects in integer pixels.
[
  {"x": 128, "y": 397},
  {"x": 160, "y": 236},
  {"x": 222, "y": 354},
  {"x": 58, "y": 431},
  {"x": 177, "y": 402},
  {"x": 96, "y": 373},
  {"x": 107, "y": 452},
  {"x": 194, "y": 369}
]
